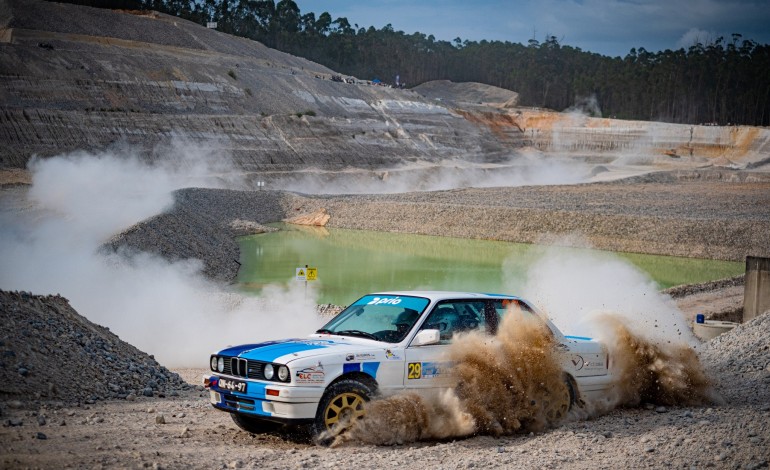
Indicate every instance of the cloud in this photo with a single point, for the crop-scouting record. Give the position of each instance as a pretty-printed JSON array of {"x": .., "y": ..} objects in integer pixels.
[{"x": 695, "y": 36}]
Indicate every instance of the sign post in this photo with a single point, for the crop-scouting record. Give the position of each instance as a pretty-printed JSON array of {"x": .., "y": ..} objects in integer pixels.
[{"x": 306, "y": 274}]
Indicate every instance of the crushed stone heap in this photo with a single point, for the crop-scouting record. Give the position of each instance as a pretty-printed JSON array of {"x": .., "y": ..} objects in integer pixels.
[
  {"x": 739, "y": 361},
  {"x": 49, "y": 352}
]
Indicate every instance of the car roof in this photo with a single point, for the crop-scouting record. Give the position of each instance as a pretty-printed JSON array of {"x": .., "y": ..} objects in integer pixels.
[{"x": 437, "y": 295}]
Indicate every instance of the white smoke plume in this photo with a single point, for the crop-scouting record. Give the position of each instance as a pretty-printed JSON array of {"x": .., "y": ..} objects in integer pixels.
[
  {"x": 585, "y": 106},
  {"x": 526, "y": 167},
  {"x": 574, "y": 286},
  {"x": 50, "y": 244}
]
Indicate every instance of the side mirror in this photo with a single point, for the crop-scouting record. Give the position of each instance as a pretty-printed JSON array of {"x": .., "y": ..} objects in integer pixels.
[{"x": 426, "y": 337}]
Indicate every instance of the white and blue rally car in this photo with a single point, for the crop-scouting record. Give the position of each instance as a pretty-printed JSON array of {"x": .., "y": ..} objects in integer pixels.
[{"x": 383, "y": 343}]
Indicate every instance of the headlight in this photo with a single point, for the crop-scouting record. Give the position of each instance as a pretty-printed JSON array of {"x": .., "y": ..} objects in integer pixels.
[
  {"x": 221, "y": 364},
  {"x": 283, "y": 373},
  {"x": 269, "y": 372},
  {"x": 213, "y": 363}
]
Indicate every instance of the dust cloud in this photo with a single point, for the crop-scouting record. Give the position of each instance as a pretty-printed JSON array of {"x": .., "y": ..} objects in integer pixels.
[
  {"x": 573, "y": 286},
  {"x": 585, "y": 106},
  {"x": 50, "y": 243},
  {"x": 600, "y": 295},
  {"x": 512, "y": 384},
  {"x": 516, "y": 382},
  {"x": 526, "y": 167},
  {"x": 646, "y": 372}
]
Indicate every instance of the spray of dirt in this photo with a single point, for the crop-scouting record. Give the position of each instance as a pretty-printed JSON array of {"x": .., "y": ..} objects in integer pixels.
[
  {"x": 504, "y": 385},
  {"x": 653, "y": 372},
  {"x": 516, "y": 382},
  {"x": 407, "y": 417}
]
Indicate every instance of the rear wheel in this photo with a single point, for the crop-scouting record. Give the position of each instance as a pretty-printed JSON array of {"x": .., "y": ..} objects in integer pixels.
[
  {"x": 254, "y": 425},
  {"x": 342, "y": 403}
]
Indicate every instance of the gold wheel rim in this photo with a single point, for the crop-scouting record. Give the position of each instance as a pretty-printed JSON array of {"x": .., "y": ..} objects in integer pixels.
[{"x": 341, "y": 407}]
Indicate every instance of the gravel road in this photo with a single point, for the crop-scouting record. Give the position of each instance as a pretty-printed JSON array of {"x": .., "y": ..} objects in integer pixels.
[
  {"x": 48, "y": 423},
  {"x": 186, "y": 432},
  {"x": 173, "y": 426}
]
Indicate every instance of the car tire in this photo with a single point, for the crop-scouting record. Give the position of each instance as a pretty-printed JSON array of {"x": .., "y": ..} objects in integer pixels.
[
  {"x": 342, "y": 402},
  {"x": 254, "y": 425},
  {"x": 563, "y": 399}
]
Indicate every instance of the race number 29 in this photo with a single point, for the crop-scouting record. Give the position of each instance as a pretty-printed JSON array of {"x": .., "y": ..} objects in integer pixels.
[{"x": 414, "y": 370}]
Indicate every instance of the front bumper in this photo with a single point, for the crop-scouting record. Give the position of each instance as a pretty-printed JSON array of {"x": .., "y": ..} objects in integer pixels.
[{"x": 284, "y": 403}]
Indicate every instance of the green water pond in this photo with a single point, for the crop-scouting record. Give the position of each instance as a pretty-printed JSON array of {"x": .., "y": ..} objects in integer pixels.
[{"x": 351, "y": 263}]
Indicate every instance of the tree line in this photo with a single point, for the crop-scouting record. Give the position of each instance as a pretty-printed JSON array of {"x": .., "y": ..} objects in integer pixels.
[{"x": 726, "y": 81}]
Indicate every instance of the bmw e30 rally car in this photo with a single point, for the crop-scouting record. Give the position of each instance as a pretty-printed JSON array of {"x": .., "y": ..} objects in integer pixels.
[{"x": 383, "y": 343}]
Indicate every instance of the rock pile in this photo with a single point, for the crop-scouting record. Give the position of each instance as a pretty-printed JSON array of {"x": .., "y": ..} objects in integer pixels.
[
  {"x": 739, "y": 362},
  {"x": 48, "y": 352}
]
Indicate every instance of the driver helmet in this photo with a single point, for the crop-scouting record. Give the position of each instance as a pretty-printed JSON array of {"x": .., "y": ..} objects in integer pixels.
[
  {"x": 445, "y": 320},
  {"x": 407, "y": 317}
]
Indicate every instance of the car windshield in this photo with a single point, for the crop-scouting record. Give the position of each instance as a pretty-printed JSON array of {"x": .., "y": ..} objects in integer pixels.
[{"x": 385, "y": 318}]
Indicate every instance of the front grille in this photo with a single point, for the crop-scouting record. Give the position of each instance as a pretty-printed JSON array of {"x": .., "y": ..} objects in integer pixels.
[{"x": 239, "y": 367}]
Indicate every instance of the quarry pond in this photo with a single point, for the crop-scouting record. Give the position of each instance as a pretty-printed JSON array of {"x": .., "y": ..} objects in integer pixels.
[{"x": 352, "y": 262}]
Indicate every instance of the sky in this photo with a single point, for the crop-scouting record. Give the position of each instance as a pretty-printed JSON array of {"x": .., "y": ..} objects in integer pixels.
[{"x": 607, "y": 27}]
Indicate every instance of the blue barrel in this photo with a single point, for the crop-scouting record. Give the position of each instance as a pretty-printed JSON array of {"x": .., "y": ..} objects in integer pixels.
[{"x": 699, "y": 318}]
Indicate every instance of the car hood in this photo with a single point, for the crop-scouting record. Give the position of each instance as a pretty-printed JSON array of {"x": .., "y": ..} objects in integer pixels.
[{"x": 286, "y": 350}]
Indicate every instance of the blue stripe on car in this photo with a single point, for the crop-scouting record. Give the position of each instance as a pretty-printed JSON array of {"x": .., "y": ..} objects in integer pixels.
[
  {"x": 579, "y": 337},
  {"x": 366, "y": 367},
  {"x": 371, "y": 368},
  {"x": 235, "y": 350},
  {"x": 502, "y": 296},
  {"x": 271, "y": 352}
]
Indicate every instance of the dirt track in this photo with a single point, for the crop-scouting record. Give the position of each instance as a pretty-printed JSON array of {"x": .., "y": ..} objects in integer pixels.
[{"x": 127, "y": 435}]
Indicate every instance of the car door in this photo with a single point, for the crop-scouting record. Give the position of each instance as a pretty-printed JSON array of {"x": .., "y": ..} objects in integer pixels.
[{"x": 428, "y": 366}]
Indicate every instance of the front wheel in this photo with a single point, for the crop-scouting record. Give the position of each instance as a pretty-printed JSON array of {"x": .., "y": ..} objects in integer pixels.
[
  {"x": 561, "y": 401},
  {"x": 342, "y": 403},
  {"x": 254, "y": 425}
]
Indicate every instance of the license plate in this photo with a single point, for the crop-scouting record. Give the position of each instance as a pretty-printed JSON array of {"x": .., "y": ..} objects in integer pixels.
[{"x": 232, "y": 385}]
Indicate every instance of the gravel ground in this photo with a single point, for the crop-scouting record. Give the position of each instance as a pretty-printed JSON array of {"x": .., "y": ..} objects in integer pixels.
[
  {"x": 51, "y": 353},
  {"x": 60, "y": 414},
  {"x": 184, "y": 431}
]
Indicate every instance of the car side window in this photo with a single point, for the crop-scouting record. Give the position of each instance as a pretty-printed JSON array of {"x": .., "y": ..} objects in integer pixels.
[
  {"x": 455, "y": 317},
  {"x": 501, "y": 307}
]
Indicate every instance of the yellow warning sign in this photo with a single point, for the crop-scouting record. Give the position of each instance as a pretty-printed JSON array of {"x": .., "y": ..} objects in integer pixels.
[
  {"x": 312, "y": 274},
  {"x": 301, "y": 276}
]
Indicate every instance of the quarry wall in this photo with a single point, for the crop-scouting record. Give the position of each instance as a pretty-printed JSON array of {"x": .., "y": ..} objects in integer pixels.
[{"x": 80, "y": 78}]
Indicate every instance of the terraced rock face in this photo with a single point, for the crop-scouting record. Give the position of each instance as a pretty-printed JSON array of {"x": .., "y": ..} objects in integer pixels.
[{"x": 80, "y": 78}]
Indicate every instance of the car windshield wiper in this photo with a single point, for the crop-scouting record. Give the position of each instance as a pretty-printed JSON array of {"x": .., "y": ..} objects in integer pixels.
[
  {"x": 324, "y": 330},
  {"x": 357, "y": 333}
]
